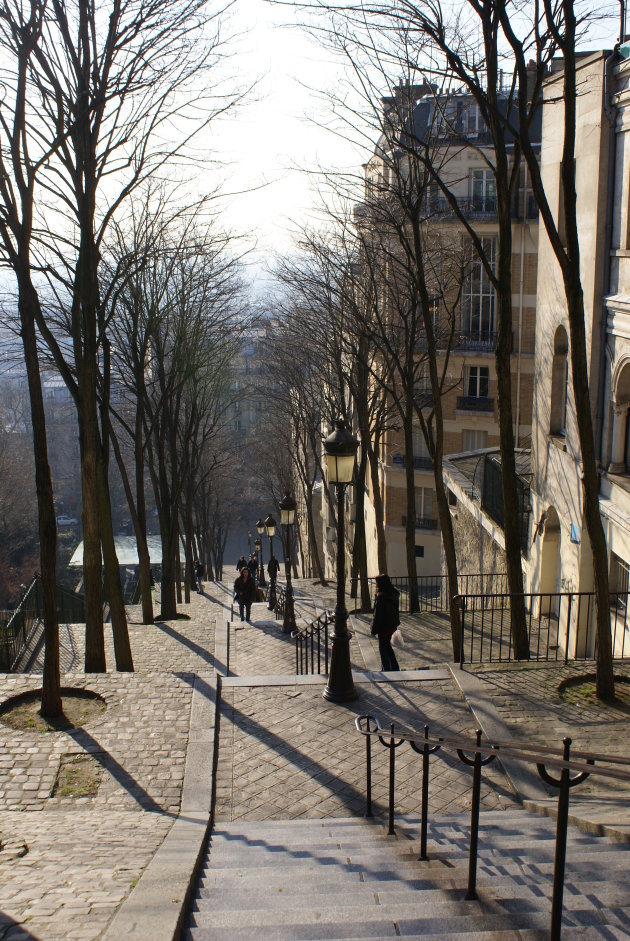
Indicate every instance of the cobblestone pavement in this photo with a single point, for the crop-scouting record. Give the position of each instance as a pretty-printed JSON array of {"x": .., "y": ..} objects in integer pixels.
[
  {"x": 528, "y": 699},
  {"x": 72, "y": 871},
  {"x": 67, "y": 863},
  {"x": 139, "y": 742},
  {"x": 173, "y": 645},
  {"x": 285, "y": 752}
]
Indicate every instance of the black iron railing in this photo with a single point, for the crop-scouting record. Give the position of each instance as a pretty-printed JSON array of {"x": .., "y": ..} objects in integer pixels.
[
  {"x": 571, "y": 770},
  {"x": 280, "y": 601},
  {"x": 17, "y": 632},
  {"x": 475, "y": 403},
  {"x": 312, "y": 647},
  {"x": 560, "y": 626},
  {"x": 433, "y": 593}
]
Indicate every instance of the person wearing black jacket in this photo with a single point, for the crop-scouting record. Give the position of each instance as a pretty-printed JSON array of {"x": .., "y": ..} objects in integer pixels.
[
  {"x": 386, "y": 620},
  {"x": 245, "y": 593}
]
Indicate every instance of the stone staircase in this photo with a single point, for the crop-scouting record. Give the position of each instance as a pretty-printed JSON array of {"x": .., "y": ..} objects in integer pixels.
[{"x": 342, "y": 879}]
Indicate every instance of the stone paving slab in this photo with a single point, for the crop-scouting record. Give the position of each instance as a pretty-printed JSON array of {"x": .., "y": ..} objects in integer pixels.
[{"x": 286, "y": 753}]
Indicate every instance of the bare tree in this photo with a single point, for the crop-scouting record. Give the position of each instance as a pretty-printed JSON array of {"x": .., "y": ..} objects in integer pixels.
[{"x": 107, "y": 89}]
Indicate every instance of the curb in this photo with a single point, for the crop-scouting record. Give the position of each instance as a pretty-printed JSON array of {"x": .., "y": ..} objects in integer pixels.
[{"x": 156, "y": 907}]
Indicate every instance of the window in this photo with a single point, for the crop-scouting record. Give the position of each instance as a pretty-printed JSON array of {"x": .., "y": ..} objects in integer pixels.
[
  {"x": 472, "y": 120},
  {"x": 478, "y": 295},
  {"x": 474, "y": 440},
  {"x": 559, "y": 373},
  {"x": 259, "y": 406},
  {"x": 237, "y": 424},
  {"x": 419, "y": 552},
  {"x": 477, "y": 382},
  {"x": 424, "y": 504},
  {"x": 237, "y": 408},
  {"x": 483, "y": 193}
]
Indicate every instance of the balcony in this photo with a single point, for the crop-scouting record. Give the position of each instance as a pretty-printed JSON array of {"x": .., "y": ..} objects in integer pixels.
[
  {"x": 423, "y": 522},
  {"x": 474, "y": 403},
  {"x": 483, "y": 341},
  {"x": 420, "y": 463}
]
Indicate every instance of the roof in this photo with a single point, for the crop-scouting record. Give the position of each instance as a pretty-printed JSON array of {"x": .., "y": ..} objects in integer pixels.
[{"x": 126, "y": 550}]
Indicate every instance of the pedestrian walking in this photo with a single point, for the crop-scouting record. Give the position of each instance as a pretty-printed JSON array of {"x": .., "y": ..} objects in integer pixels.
[
  {"x": 252, "y": 565},
  {"x": 242, "y": 562},
  {"x": 245, "y": 593},
  {"x": 273, "y": 567},
  {"x": 199, "y": 573},
  {"x": 386, "y": 620}
]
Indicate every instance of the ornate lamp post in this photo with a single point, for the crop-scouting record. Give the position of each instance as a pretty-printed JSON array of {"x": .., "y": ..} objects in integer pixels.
[
  {"x": 260, "y": 528},
  {"x": 341, "y": 448},
  {"x": 249, "y": 540},
  {"x": 270, "y": 523},
  {"x": 287, "y": 517}
]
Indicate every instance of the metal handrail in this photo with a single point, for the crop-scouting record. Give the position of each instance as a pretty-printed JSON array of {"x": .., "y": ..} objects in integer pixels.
[
  {"x": 477, "y": 754},
  {"x": 309, "y": 639},
  {"x": 433, "y": 590}
]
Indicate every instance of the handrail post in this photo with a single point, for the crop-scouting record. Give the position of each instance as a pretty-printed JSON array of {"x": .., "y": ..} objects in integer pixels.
[
  {"x": 562, "y": 824},
  {"x": 368, "y": 773},
  {"x": 392, "y": 775},
  {"x": 474, "y": 823}
]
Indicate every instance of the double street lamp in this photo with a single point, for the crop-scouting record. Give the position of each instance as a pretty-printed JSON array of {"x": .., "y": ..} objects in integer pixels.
[
  {"x": 270, "y": 524},
  {"x": 287, "y": 518},
  {"x": 341, "y": 448},
  {"x": 260, "y": 528}
]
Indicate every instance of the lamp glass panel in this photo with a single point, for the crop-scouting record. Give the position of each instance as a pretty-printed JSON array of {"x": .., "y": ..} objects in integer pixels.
[
  {"x": 340, "y": 468},
  {"x": 271, "y": 530}
]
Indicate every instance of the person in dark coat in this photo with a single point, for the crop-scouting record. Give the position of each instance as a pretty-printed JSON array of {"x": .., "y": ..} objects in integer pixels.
[
  {"x": 252, "y": 565},
  {"x": 386, "y": 620},
  {"x": 242, "y": 562},
  {"x": 273, "y": 567},
  {"x": 245, "y": 593},
  {"x": 199, "y": 574}
]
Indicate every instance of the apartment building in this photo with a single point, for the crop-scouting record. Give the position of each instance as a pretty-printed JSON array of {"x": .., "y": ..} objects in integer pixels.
[{"x": 469, "y": 405}]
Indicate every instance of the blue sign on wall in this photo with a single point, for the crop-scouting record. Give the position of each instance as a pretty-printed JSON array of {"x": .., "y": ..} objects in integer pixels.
[{"x": 575, "y": 532}]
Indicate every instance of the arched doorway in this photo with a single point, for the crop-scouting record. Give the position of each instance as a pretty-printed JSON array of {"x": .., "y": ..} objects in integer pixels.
[{"x": 550, "y": 563}]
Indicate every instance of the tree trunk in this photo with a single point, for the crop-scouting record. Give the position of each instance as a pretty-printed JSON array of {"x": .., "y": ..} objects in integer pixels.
[
  {"x": 605, "y": 682},
  {"x": 122, "y": 647},
  {"x": 92, "y": 560},
  {"x": 410, "y": 526},
  {"x": 511, "y": 508},
  {"x": 51, "y": 704}
]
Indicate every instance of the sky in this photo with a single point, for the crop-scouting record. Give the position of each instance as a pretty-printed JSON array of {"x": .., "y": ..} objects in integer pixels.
[{"x": 270, "y": 140}]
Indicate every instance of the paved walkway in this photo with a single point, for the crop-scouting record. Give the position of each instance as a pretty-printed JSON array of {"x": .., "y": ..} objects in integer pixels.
[{"x": 119, "y": 864}]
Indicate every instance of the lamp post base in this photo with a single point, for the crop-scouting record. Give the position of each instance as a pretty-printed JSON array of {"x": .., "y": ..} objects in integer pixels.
[{"x": 340, "y": 686}]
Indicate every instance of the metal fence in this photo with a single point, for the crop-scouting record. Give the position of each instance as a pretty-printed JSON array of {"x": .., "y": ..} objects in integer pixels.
[
  {"x": 433, "y": 593},
  {"x": 561, "y": 626},
  {"x": 18, "y": 631}
]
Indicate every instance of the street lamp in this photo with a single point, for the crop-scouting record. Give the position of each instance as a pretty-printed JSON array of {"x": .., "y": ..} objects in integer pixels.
[
  {"x": 270, "y": 523},
  {"x": 341, "y": 448},
  {"x": 249, "y": 540},
  {"x": 287, "y": 516},
  {"x": 257, "y": 550},
  {"x": 260, "y": 528}
]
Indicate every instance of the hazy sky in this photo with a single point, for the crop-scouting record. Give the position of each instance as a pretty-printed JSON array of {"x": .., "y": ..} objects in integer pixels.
[{"x": 268, "y": 140}]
